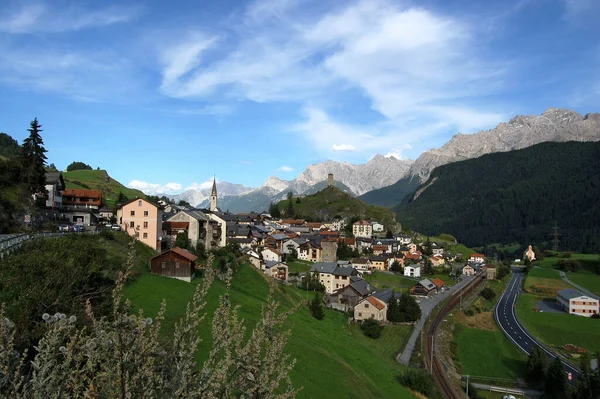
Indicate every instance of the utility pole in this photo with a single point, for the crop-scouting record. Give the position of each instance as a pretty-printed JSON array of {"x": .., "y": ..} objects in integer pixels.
[
  {"x": 431, "y": 360},
  {"x": 467, "y": 394},
  {"x": 555, "y": 236}
]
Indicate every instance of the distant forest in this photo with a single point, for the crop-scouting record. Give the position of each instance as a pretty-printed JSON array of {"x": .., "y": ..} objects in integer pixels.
[{"x": 514, "y": 197}]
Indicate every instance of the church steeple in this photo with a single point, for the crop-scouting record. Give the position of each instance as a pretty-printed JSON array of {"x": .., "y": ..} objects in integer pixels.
[{"x": 213, "y": 196}]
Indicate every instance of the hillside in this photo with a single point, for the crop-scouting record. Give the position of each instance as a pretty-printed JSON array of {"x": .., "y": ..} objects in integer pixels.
[
  {"x": 100, "y": 180},
  {"x": 513, "y": 197},
  {"x": 331, "y": 203},
  {"x": 391, "y": 195},
  {"x": 355, "y": 366},
  {"x": 9, "y": 147}
]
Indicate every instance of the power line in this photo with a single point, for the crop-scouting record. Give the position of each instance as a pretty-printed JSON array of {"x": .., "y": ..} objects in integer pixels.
[{"x": 555, "y": 234}]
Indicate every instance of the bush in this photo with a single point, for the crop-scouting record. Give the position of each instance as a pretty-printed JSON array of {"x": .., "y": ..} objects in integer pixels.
[
  {"x": 316, "y": 307},
  {"x": 569, "y": 265},
  {"x": 371, "y": 328},
  {"x": 488, "y": 293},
  {"x": 418, "y": 380},
  {"x": 469, "y": 312}
]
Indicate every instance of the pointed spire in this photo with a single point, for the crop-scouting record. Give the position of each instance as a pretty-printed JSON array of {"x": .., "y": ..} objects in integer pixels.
[{"x": 214, "y": 187}]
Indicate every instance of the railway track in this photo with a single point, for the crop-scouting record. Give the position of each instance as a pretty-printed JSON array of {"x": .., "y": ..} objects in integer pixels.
[{"x": 435, "y": 366}]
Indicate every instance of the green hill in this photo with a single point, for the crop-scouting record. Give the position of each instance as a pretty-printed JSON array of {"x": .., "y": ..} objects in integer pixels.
[
  {"x": 100, "y": 180},
  {"x": 333, "y": 358},
  {"x": 391, "y": 195},
  {"x": 9, "y": 147},
  {"x": 331, "y": 203},
  {"x": 323, "y": 184},
  {"x": 513, "y": 197}
]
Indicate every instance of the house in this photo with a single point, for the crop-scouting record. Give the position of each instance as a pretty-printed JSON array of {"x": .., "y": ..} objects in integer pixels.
[
  {"x": 437, "y": 261},
  {"x": 347, "y": 297},
  {"x": 253, "y": 257},
  {"x": 490, "y": 272},
  {"x": 412, "y": 271},
  {"x": 315, "y": 226},
  {"x": 143, "y": 220},
  {"x": 292, "y": 244},
  {"x": 392, "y": 259},
  {"x": 106, "y": 214},
  {"x": 337, "y": 225},
  {"x": 378, "y": 262},
  {"x": 439, "y": 283},
  {"x": 413, "y": 256},
  {"x": 361, "y": 264},
  {"x": 364, "y": 243},
  {"x": 310, "y": 251},
  {"x": 349, "y": 241},
  {"x": 377, "y": 227},
  {"x": 195, "y": 223},
  {"x": 218, "y": 226},
  {"x": 574, "y": 302},
  {"x": 77, "y": 198},
  {"x": 468, "y": 270},
  {"x": 403, "y": 239},
  {"x": 175, "y": 263},
  {"x": 477, "y": 258},
  {"x": 380, "y": 249},
  {"x": 242, "y": 242},
  {"x": 362, "y": 228},
  {"x": 55, "y": 184},
  {"x": 370, "y": 308},
  {"x": 271, "y": 254},
  {"x": 332, "y": 275},
  {"x": 439, "y": 251},
  {"x": 424, "y": 287},
  {"x": 277, "y": 270},
  {"x": 392, "y": 245}
]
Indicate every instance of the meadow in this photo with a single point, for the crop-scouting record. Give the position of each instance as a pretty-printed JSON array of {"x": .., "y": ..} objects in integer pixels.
[{"x": 334, "y": 358}]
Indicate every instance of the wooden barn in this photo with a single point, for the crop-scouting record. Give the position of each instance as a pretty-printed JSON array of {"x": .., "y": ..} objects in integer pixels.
[{"x": 175, "y": 263}]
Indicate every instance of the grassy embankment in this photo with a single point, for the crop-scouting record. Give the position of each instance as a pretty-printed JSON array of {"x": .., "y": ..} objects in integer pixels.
[
  {"x": 334, "y": 359},
  {"x": 587, "y": 277},
  {"x": 100, "y": 180}
]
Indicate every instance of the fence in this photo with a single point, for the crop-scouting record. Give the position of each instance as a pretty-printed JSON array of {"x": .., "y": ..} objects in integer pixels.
[{"x": 11, "y": 242}]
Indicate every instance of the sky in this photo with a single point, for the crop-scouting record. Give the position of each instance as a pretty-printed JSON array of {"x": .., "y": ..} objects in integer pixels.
[{"x": 166, "y": 95}]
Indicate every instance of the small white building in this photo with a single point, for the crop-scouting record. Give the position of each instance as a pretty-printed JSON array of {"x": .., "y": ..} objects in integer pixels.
[
  {"x": 468, "y": 271},
  {"x": 412, "y": 271},
  {"x": 477, "y": 258},
  {"x": 377, "y": 227},
  {"x": 575, "y": 302},
  {"x": 362, "y": 228},
  {"x": 270, "y": 254}
]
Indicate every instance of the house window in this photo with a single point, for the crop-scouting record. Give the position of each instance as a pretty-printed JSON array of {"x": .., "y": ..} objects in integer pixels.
[
  {"x": 132, "y": 225},
  {"x": 366, "y": 305},
  {"x": 145, "y": 225},
  {"x": 145, "y": 213},
  {"x": 176, "y": 264},
  {"x": 145, "y": 235},
  {"x": 132, "y": 213},
  {"x": 163, "y": 265},
  {"x": 140, "y": 203},
  {"x": 359, "y": 314}
]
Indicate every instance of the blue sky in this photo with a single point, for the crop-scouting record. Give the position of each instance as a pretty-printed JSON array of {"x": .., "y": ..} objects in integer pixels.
[{"x": 165, "y": 94}]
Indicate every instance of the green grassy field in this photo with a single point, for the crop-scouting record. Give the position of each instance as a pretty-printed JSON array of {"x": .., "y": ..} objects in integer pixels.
[
  {"x": 96, "y": 179},
  {"x": 543, "y": 273},
  {"x": 382, "y": 280},
  {"x": 298, "y": 266},
  {"x": 488, "y": 354},
  {"x": 552, "y": 262},
  {"x": 544, "y": 281},
  {"x": 589, "y": 281},
  {"x": 557, "y": 329},
  {"x": 334, "y": 359}
]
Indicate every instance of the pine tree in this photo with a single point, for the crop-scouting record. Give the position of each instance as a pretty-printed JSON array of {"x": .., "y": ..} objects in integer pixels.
[
  {"x": 428, "y": 267},
  {"x": 394, "y": 312},
  {"x": 290, "y": 205},
  {"x": 556, "y": 380},
  {"x": 536, "y": 365},
  {"x": 410, "y": 308},
  {"x": 34, "y": 160},
  {"x": 316, "y": 308},
  {"x": 427, "y": 247}
]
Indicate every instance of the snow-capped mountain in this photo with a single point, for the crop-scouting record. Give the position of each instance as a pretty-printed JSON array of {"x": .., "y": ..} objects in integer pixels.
[
  {"x": 554, "y": 124},
  {"x": 196, "y": 197}
]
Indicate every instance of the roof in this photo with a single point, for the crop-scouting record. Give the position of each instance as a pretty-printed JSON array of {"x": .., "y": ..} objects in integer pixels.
[
  {"x": 361, "y": 286},
  {"x": 332, "y": 268},
  {"x": 270, "y": 263},
  {"x": 438, "y": 282},
  {"x": 52, "y": 177},
  {"x": 376, "y": 302},
  {"x": 139, "y": 199},
  {"x": 414, "y": 267},
  {"x": 82, "y": 192},
  {"x": 378, "y": 258},
  {"x": 272, "y": 250},
  {"x": 181, "y": 252},
  {"x": 570, "y": 293},
  {"x": 360, "y": 261},
  {"x": 380, "y": 247},
  {"x": 175, "y": 225},
  {"x": 427, "y": 284},
  {"x": 385, "y": 295},
  {"x": 280, "y": 237},
  {"x": 314, "y": 225},
  {"x": 241, "y": 240},
  {"x": 292, "y": 221},
  {"x": 362, "y": 223},
  {"x": 477, "y": 256}
]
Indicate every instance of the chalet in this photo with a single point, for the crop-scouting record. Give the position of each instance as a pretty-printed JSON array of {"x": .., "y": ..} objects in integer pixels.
[
  {"x": 415, "y": 256},
  {"x": 292, "y": 244},
  {"x": 439, "y": 283},
  {"x": 347, "y": 297},
  {"x": 378, "y": 262},
  {"x": 423, "y": 288},
  {"x": 380, "y": 249},
  {"x": 175, "y": 263},
  {"x": 477, "y": 258},
  {"x": 333, "y": 276},
  {"x": 277, "y": 270},
  {"x": 403, "y": 239},
  {"x": 468, "y": 270},
  {"x": 437, "y": 260},
  {"x": 253, "y": 257},
  {"x": 361, "y": 264},
  {"x": 412, "y": 271},
  {"x": 76, "y": 198},
  {"x": 55, "y": 184},
  {"x": 370, "y": 308},
  {"x": 272, "y": 255}
]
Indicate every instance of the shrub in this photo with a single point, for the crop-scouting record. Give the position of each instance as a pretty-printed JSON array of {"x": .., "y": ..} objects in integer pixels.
[
  {"x": 488, "y": 293},
  {"x": 316, "y": 307},
  {"x": 371, "y": 328},
  {"x": 418, "y": 380},
  {"x": 469, "y": 312},
  {"x": 569, "y": 265}
]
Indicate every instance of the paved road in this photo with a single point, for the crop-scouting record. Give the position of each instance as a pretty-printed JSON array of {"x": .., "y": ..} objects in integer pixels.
[
  {"x": 427, "y": 305},
  {"x": 580, "y": 288},
  {"x": 506, "y": 317}
]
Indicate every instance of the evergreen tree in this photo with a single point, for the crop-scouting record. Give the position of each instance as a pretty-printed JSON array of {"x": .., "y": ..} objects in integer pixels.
[
  {"x": 428, "y": 267},
  {"x": 34, "y": 160},
  {"x": 182, "y": 240},
  {"x": 290, "y": 205},
  {"x": 396, "y": 266},
  {"x": 389, "y": 234},
  {"x": 588, "y": 383},
  {"x": 536, "y": 365},
  {"x": 556, "y": 380},
  {"x": 274, "y": 210},
  {"x": 316, "y": 307},
  {"x": 427, "y": 247},
  {"x": 410, "y": 308},
  {"x": 394, "y": 313}
]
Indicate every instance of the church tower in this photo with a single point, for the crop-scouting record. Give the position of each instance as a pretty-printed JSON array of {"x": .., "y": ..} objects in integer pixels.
[{"x": 213, "y": 196}]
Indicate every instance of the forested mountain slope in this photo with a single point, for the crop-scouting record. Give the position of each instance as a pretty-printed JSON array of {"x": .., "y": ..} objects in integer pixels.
[{"x": 513, "y": 197}]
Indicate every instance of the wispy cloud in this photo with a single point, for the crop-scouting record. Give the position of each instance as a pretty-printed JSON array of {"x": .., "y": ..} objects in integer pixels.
[
  {"x": 153, "y": 188},
  {"x": 343, "y": 147},
  {"x": 39, "y": 17},
  {"x": 216, "y": 110},
  {"x": 284, "y": 169},
  {"x": 207, "y": 184}
]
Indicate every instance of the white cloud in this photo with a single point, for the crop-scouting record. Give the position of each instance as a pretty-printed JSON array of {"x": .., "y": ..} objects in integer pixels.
[
  {"x": 216, "y": 110},
  {"x": 153, "y": 188},
  {"x": 343, "y": 147},
  {"x": 38, "y": 17},
  {"x": 284, "y": 169}
]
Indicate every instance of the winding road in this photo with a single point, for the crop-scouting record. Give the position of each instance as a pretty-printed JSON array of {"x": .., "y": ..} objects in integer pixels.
[{"x": 506, "y": 317}]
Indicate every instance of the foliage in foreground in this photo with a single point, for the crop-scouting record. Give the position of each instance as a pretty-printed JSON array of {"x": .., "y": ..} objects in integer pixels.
[
  {"x": 420, "y": 381},
  {"x": 371, "y": 328},
  {"x": 121, "y": 356}
]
